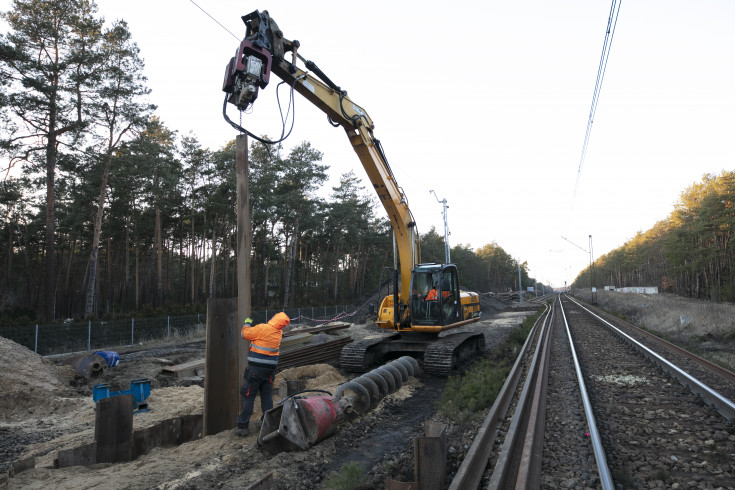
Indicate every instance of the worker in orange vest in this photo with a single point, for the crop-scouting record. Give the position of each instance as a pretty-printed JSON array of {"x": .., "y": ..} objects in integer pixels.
[{"x": 265, "y": 340}]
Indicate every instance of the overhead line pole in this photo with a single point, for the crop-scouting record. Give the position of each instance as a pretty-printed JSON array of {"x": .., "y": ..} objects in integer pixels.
[{"x": 443, "y": 202}]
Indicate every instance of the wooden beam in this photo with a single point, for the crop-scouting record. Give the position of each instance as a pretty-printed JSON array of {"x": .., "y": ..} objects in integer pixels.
[{"x": 244, "y": 232}]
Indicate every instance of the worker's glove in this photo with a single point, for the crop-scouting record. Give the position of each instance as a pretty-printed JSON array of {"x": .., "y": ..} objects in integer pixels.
[{"x": 248, "y": 321}]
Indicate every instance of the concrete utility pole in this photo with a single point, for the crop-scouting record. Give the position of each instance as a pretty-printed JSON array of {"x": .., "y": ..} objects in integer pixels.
[
  {"x": 593, "y": 290},
  {"x": 447, "y": 258},
  {"x": 520, "y": 286}
]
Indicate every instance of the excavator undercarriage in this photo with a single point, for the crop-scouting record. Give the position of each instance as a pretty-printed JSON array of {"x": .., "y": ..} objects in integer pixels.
[{"x": 441, "y": 355}]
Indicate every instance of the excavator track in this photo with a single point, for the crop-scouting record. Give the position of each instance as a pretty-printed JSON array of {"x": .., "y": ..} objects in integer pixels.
[
  {"x": 441, "y": 356},
  {"x": 447, "y": 353},
  {"x": 360, "y": 356}
]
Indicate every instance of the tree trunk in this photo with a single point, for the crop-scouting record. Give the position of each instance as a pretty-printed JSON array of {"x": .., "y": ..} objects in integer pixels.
[
  {"x": 291, "y": 267},
  {"x": 50, "y": 232},
  {"x": 159, "y": 258},
  {"x": 193, "y": 258},
  {"x": 67, "y": 280},
  {"x": 137, "y": 269},
  {"x": 94, "y": 253},
  {"x": 204, "y": 256},
  {"x": 214, "y": 262},
  {"x": 108, "y": 288},
  {"x": 267, "y": 266},
  {"x": 181, "y": 278},
  {"x": 9, "y": 270},
  {"x": 126, "y": 286}
]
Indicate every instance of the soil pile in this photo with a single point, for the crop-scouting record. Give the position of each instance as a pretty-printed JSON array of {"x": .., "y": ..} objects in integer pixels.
[
  {"x": 28, "y": 380},
  {"x": 489, "y": 304}
]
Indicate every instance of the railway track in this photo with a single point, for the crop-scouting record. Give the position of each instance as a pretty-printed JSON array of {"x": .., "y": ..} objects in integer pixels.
[{"x": 593, "y": 402}]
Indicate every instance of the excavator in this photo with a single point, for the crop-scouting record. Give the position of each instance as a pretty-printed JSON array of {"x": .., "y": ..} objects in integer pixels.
[{"x": 428, "y": 303}]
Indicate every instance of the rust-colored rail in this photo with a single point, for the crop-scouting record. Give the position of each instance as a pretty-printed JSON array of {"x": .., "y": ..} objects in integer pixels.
[
  {"x": 519, "y": 461},
  {"x": 473, "y": 466}
]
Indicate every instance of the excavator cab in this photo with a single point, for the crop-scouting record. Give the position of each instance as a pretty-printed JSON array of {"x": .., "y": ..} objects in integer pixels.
[{"x": 434, "y": 294}]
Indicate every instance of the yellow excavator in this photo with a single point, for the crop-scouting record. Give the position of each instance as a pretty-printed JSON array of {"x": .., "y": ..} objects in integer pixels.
[{"x": 428, "y": 302}]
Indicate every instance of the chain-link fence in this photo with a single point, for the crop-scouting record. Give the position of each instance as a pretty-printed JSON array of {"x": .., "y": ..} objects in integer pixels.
[{"x": 69, "y": 337}]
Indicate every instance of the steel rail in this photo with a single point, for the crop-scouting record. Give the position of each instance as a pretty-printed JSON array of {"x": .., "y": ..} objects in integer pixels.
[
  {"x": 529, "y": 471},
  {"x": 606, "y": 480},
  {"x": 724, "y": 406},
  {"x": 708, "y": 365},
  {"x": 508, "y": 465},
  {"x": 471, "y": 470}
]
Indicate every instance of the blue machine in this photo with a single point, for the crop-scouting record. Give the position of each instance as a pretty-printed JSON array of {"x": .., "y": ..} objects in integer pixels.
[{"x": 139, "y": 388}]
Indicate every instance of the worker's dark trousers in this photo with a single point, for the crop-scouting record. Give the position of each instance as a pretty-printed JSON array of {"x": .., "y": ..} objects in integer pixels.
[{"x": 255, "y": 380}]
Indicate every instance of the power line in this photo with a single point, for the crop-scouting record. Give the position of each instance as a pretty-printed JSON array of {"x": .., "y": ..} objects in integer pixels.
[
  {"x": 612, "y": 22},
  {"x": 218, "y": 22}
]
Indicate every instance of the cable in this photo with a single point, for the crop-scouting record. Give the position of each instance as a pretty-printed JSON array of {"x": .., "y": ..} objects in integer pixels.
[
  {"x": 292, "y": 103},
  {"x": 207, "y": 13},
  {"x": 607, "y": 44}
]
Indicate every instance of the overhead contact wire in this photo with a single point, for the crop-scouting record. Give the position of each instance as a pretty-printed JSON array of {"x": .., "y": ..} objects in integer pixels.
[
  {"x": 218, "y": 22},
  {"x": 612, "y": 22}
]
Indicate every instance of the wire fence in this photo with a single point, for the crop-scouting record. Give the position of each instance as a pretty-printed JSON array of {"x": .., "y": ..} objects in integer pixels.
[{"x": 71, "y": 337}]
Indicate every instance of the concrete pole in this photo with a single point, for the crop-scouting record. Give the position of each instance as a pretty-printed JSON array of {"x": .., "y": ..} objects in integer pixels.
[
  {"x": 520, "y": 286},
  {"x": 243, "y": 243}
]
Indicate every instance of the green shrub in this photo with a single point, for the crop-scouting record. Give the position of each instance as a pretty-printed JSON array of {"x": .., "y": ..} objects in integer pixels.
[
  {"x": 474, "y": 391},
  {"x": 478, "y": 387},
  {"x": 350, "y": 477}
]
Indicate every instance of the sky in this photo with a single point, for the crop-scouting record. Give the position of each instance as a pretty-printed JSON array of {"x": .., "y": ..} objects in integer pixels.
[{"x": 486, "y": 103}]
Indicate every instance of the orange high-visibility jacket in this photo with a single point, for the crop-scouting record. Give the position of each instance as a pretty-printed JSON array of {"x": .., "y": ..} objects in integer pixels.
[
  {"x": 432, "y": 296},
  {"x": 265, "y": 340}
]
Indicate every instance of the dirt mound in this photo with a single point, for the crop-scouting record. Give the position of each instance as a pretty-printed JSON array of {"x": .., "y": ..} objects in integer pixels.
[
  {"x": 28, "y": 380},
  {"x": 317, "y": 376},
  {"x": 490, "y": 304}
]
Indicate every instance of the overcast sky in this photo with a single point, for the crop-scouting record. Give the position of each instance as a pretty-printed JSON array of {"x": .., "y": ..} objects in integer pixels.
[{"x": 486, "y": 103}]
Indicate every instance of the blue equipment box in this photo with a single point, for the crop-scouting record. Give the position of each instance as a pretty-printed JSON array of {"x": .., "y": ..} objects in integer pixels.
[{"x": 139, "y": 388}]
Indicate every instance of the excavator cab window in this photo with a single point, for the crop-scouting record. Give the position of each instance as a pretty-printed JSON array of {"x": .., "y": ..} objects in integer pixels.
[
  {"x": 435, "y": 295},
  {"x": 449, "y": 286},
  {"x": 425, "y": 304}
]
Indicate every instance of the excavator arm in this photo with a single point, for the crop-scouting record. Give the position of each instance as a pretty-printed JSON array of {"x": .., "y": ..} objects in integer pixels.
[{"x": 263, "y": 51}]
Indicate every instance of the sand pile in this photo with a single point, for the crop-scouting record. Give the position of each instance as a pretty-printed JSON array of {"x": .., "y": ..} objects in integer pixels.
[{"x": 28, "y": 380}]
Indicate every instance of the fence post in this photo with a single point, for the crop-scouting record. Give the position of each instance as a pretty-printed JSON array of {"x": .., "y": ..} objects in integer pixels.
[
  {"x": 89, "y": 335},
  {"x": 132, "y": 331},
  {"x": 266, "y": 316},
  {"x": 35, "y": 349},
  {"x": 168, "y": 326},
  {"x": 298, "y": 311}
]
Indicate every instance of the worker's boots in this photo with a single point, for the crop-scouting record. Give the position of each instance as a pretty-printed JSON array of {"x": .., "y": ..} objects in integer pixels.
[{"x": 241, "y": 432}]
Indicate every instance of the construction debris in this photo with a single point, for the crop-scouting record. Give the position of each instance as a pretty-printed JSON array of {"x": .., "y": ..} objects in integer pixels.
[
  {"x": 298, "y": 348},
  {"x": 90, "y": 366}
]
